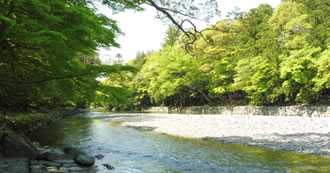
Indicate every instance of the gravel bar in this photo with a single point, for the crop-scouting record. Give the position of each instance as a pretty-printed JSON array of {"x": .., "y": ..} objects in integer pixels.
[{"x": 288, "y": 133}]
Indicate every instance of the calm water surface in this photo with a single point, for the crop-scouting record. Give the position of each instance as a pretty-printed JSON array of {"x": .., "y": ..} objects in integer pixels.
[{"x": 132, "y": 150}]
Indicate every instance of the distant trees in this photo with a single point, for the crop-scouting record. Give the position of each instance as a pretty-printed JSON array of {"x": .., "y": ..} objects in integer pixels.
[{"x": 264, "y": 56}]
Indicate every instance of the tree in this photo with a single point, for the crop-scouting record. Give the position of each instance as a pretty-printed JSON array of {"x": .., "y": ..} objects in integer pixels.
[
  {"x": 172, "y": 77},
  {"x": 41, "y": 48},
  {"x": 115, "y": 91},
  {"x": 214, "y": 51},
  {"x": 322, "y": 78},
  {"x": 180, "y": 12},
  {"x": 171, "y": 36},
  {"x": 297, "y": 66}
]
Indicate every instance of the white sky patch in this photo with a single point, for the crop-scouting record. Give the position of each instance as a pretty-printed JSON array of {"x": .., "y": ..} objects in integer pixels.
[{"x": 144, "y": 33}]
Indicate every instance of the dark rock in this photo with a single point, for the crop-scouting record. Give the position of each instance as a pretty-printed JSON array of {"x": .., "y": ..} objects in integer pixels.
[
  {"x": 50, "y": 163},
  {"x": 2, "y": 135},
  {"x": 65, "y": 161},
  {"x": 36, "y": 144},
  {"x": 99, "y": 156},
  {"x": 16, "y": 145},
  {"x": 39, "y": 124},
  {"x": 47, "y": 147},
  {"x": 75, "y": 169},
  {"x": 42, "y": 152},
  {"x": 69, "y": 165},
  {"x": 85, "y": 160},
  {"x": 73, "y": 151},
  {"x": 37, "y": 167},
  {"x": 57, "y": 154},
  {"x": 109, "y": 167},
  {"x": 41, "y": 155}
]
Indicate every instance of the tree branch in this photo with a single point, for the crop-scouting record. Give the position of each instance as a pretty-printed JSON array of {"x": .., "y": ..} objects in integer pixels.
[
  {"x": 167, "y": 14},
  {"x": 191, "y": 34}
]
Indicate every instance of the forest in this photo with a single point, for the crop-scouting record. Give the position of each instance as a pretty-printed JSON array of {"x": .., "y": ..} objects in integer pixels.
[
  {"x": 262, "y": 57},
  {"x": 266, "y": 56}
]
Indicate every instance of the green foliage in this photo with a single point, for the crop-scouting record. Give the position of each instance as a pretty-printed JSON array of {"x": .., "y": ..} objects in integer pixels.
[
  {"x": 47, "y": 51},
  {"x": 140, "y": 59},
  {"x": 322, "y": 78},
  {"x": 298, "y": 70},
  {"x": 114, "y": 91},
  {"x": 168, "y": 73},
  {"x": 268, "y": 56},
  {"x": 19, "y": 120},
  {"x": 171, "y": 36},
  {"x": 285, "y": 12}
]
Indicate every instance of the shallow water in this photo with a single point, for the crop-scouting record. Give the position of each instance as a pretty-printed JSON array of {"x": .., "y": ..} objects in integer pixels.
[{"x": 133, "y": 150}]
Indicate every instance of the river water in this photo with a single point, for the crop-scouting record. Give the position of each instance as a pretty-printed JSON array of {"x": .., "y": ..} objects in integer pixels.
[{"x": 133, "y": 150}]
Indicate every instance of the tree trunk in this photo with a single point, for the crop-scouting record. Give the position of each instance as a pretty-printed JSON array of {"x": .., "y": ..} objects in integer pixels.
[{"x": 205, "y": 96}]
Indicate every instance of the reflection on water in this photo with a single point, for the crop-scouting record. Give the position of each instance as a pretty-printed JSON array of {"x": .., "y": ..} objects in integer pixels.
[{"x": 132, "y": 150}]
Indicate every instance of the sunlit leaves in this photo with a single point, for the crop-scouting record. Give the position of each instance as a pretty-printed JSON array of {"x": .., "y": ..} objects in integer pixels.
[
  {"x": 285, "y": 12},
  {"x": 267, "y": 56},
  {"x": 41, "y": 48},
  {"x": 169, "y": 72},
  {"x": 322, "y": 78}
]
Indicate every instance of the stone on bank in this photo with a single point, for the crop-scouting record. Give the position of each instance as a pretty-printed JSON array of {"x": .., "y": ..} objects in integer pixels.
[{"x": 16, "y": 145}]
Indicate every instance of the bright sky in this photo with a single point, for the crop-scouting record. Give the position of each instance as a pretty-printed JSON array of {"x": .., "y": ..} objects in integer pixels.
[{"x": 143, "y": 32}]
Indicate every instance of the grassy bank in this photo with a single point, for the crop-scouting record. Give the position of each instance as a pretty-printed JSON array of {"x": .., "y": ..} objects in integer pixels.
[
  {"x": 27, "y": 122},
  {"x": 20, "y": 120}
]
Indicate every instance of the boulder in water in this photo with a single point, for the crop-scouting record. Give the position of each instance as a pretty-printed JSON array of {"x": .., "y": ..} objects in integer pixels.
[
  {"x": 57, "y": 154},
  {"x": 85, "y": 160},
  {"x": 109, "y": 167},
  {"x": 99, "y": 156}
]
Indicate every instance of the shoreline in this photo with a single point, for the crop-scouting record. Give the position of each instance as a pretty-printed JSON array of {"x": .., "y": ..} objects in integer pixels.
[
  {"x": 309, "y": 135},
  {"x": 293, "y": 110},
  {"x": 19, "y": 154}
]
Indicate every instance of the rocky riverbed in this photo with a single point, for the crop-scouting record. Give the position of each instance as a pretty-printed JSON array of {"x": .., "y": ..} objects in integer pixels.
[
  {"x": 23, "y": 165},
  {"x": 288, "y": 133},
  {"x": 19, "y": 155}
]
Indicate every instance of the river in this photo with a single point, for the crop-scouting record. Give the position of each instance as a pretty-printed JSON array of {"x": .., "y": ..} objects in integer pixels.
[{"x": 135, "y": 150}]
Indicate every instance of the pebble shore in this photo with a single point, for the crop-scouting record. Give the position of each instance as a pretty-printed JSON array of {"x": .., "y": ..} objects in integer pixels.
[{"x": 288, "y": 133}]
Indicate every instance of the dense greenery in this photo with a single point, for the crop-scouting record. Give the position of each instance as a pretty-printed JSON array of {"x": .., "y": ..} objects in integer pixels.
[
  {"x": 263, "y": 57},
  {"x": 48, "y": 56},
  {"x": 48, "y": 52}
]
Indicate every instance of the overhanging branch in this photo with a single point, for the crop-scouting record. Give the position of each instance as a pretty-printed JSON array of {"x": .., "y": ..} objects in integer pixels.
[{"x": 192, "y": 34}]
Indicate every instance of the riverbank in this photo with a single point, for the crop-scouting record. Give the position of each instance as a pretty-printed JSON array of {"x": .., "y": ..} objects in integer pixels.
[
  {"x": 19, "y": 154},
  {"x": 297, "y": 110},
  {"x": 13, "y": 129},
  {"x": 289, "y": 133},
  {"x": 27, "y": 123}
]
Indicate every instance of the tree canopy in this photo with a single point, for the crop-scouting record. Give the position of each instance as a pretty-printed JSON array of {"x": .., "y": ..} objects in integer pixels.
[
  {"x": 262, "y": 57},
  {"x": 48, "y": 55},
  {"x": 48, "y": 50}
]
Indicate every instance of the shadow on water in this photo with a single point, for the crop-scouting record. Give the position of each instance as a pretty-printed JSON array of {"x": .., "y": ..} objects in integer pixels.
[
  {"x": 282, "y": 143},
  {"x": 118, "y": 117},
  {"x": 141, "y": 150}
]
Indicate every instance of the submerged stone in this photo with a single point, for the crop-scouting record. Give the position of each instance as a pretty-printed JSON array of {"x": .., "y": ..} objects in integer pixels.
[
  {"x": 99, "y": 156},
  {"x": 57, "y": 154},
  {"x": 85, "y": 160},
  {"x": 109, "y": 167}
]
